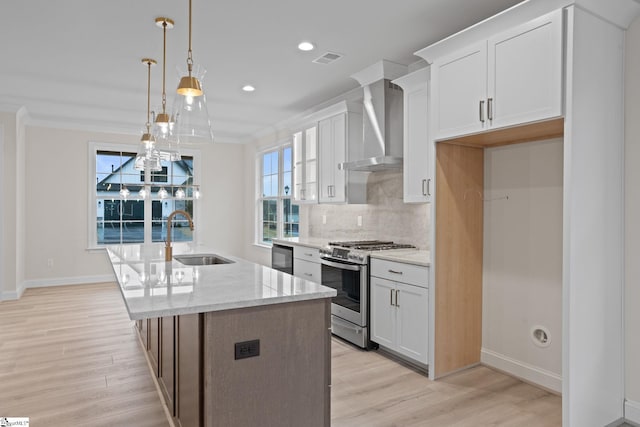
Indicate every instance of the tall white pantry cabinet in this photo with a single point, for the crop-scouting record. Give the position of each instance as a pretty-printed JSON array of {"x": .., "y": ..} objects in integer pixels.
[{"x": 590, "y": 115}]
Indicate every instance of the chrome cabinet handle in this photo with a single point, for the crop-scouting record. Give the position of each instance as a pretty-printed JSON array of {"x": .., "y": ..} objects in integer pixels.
[
  {"x": 481, "y": 111},
  {"x": 390, "y": 296},
  {"x": 397, "y": 293},
  {"x": 308, "y": 274},
  {"x": 490, "y": 108},
  {"x": 424, "y": 183},
  {"x": 394, "y": 271},
  {"x": 308, "y": 254},
  {"x": 429, "y": 187}
]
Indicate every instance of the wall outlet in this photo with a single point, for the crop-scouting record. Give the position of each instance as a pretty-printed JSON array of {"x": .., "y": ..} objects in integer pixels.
[
  {"x": 247, "y": 349},
  {"x": 324, "y": 219},
  {"x": 359, "y": 220},
  {"x": 50, "y": 262}
]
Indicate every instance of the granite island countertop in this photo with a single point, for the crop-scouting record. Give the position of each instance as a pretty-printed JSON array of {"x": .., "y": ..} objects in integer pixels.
[{"x": 153, "y": 288}]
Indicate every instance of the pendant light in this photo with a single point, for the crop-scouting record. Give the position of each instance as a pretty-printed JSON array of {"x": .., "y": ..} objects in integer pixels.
[
  {"x": 164, "y": 122},
  {"x": 192, "y": 117},
  {"x": 148, "y": 156}
]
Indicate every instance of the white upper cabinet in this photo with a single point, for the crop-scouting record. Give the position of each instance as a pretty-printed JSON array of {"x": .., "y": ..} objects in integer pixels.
[
  {"x": 305, "y": 165},
  {"x": 417, "y": 174},
  {"x": 339, "y": 141},
  {"x": 510, "y": 79},
  {"x": 333, "y": 148}
]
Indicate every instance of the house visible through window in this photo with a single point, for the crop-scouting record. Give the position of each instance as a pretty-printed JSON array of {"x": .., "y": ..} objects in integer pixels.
[
  {"x": 138, "y": 219},
  {"x": 278, "y": 216}
]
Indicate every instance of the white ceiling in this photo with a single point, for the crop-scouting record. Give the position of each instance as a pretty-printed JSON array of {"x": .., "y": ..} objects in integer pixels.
[{"x": 77, "y": 63}]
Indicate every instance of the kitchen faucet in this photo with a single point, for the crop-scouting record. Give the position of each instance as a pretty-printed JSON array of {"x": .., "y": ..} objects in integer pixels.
[{"x": 168, "y": 251}]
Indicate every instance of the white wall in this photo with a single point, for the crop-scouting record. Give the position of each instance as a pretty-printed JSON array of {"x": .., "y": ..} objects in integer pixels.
[
  {"x": 522, "y": 266},
  {"x": 632, "y": 222},
  {"x": 9, "y": 235},
  {"x": 56, "y": 191}
]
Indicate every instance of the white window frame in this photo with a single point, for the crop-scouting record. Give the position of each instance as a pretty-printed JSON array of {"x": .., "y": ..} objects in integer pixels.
[
  {"x": 280, "y": 197},
  {"x": 92, "y": 235}
]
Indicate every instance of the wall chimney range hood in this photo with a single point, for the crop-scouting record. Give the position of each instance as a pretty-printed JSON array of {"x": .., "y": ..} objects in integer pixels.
[{"x": 382, "y": 129}]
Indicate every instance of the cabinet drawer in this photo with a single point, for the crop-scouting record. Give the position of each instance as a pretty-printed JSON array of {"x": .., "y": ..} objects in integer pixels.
[
  {"x": 400, "y": 272},
  {"x": 307, "y": 254},
  {"x": 306, "y": 270}
]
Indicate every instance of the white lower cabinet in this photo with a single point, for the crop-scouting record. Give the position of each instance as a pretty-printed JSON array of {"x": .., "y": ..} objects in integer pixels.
[
  {"x": 400, "y": 311},
  {"x": 306, "y": 263},
  {"x": 306, "y": 270}
]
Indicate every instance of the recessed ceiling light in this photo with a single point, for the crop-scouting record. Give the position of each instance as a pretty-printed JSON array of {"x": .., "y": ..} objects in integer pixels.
[
  {"x": 248, "y": 88},
  {"x": 306, "y": 46}
]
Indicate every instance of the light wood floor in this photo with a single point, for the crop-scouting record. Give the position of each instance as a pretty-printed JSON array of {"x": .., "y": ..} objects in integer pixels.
[{"x": 69, "y": 357}]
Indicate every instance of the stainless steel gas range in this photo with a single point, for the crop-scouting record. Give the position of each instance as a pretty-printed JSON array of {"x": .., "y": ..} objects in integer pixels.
[{"x": 345, "y": 267}]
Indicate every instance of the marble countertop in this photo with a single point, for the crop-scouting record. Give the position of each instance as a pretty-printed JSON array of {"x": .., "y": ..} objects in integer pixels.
[
  {"x": 310, "y": 242},
  {"x": 152, "y": 287},
  {"x": 407, "y": 256}
]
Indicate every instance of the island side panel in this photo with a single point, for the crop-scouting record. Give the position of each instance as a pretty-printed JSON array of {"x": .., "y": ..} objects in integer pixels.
[{"x": 287, "y": 384}]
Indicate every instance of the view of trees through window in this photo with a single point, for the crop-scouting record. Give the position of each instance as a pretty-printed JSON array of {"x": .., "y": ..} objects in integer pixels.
[
  {"x": 121, "y": 219},
  {"x": 279, "y": 217}
]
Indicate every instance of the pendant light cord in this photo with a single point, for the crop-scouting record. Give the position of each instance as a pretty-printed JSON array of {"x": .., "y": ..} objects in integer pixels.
[
  {"x": 164, "y": 65},
  {"x": 189, "y": 53},
  {"x": 148, "y": 95}
]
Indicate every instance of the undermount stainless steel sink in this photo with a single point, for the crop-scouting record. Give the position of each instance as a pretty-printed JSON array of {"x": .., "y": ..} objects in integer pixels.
[{"x": 202, "y": 259}]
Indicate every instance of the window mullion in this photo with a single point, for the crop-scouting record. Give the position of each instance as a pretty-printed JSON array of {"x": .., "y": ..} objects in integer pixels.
[{"x": 148, "y": 214}]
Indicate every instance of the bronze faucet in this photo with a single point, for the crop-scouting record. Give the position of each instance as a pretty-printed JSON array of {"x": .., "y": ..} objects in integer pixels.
[{"x": 168, "y": 251}]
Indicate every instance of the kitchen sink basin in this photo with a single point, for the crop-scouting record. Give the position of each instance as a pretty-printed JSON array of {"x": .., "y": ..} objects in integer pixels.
[{"x": 202, "y": 259}]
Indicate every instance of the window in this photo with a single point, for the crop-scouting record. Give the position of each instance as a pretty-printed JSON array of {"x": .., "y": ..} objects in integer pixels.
[
  {"x": 136, "y": 219},
  {"x": 277, "y": 215}
]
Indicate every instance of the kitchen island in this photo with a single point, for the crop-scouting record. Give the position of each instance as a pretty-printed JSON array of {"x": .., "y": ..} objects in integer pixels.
[{"x": 232, "y": 343}]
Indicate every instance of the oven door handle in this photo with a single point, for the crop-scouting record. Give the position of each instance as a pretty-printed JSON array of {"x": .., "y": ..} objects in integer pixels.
[{"x": 340, "y": 265}]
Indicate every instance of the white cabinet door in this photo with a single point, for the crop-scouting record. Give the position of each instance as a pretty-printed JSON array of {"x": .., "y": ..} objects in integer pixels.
[
  {"x": 332, "y": 152},
  {"x": 412, "y": 320},
  {"x": 525, "y": 72},
  {"x": 459, "y": 83},
  {"x": 417, "y": 157},
  {"x": 383, "y": 312},
  {"x": 305, "y": 166}
]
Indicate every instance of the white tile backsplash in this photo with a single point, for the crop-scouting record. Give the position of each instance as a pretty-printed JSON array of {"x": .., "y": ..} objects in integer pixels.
[{"x": 385, "y": 216}]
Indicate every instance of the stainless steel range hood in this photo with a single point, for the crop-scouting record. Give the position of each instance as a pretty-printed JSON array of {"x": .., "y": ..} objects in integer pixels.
[{"x": 382, "y": 124}]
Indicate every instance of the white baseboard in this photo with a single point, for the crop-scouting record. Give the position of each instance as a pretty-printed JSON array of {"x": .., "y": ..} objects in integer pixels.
[
  {"x": 632, "y": 411},
  {"x": 6, "y": 296},
  {"x": 529, "y": 373},
  {"x": 63, "y": 281}
]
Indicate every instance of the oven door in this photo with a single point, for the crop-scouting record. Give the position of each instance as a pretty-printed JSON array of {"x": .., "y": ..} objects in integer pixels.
[{"x": 350, "y": 281}]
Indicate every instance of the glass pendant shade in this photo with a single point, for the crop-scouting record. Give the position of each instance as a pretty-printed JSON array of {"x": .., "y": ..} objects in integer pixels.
[
  {"x": 164, "y": 120},
  {"x": 193, "y": 125},
  {"x": 190, "y": 107},
  {"x": 148, "y": 158}
]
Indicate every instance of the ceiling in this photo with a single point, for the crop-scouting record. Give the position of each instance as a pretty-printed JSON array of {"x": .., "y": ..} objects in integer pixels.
[{"x": 77, "y": 63}]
